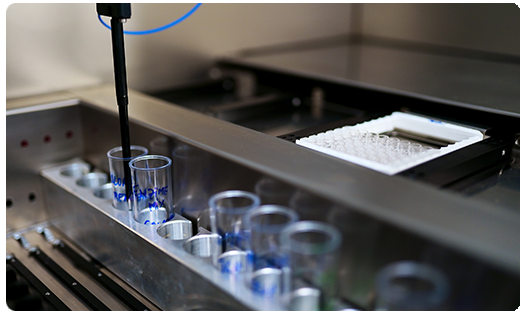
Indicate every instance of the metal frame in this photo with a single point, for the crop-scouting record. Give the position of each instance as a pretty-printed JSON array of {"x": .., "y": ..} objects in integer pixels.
[{"x": 478, "y": 230}]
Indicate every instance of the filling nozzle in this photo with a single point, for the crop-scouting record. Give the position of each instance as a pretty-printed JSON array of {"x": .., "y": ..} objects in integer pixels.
[{"x": 119, "y": 13}]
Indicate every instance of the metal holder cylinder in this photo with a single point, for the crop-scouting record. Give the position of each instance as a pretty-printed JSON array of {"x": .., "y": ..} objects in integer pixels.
[
  {"x": 175, "y": 230},
  {"x": 92, "y": 180},
  {"x": 104, "y": 192},
  {"x": 204, "y": 245},
  {"x": 75, "y": 170},
  {"x": 304, "y": 299}
]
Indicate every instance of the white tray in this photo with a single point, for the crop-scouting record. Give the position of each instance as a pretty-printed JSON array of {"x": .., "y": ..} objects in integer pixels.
[{"x": 459, "y": 136}]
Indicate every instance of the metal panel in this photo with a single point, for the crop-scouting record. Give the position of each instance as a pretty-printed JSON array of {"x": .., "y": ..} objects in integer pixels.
[
  {"x": 156, "y": 267},
  {"x": 465, "y": 82},
  {"x": 37, "y": 138},
  {"x": 474, "y": 228},
  {"x": 376, "y": 213},
  {"x": 482, "y": 26}
]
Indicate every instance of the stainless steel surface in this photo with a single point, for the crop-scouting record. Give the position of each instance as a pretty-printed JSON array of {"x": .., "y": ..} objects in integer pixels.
[
  {"x": 158, "y": 267},
  {"x": 492, "y": 27},
  {"x": 485, "y": 85},
  {"x": 37, "y": 138},
  {"x": 374, "y": 212},
  {"x": 41, "y": 102},
  {"x": 474, "y": 228}
]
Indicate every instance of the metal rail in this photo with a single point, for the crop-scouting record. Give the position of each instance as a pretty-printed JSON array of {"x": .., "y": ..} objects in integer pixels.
[{"x": 37, "y": 284}]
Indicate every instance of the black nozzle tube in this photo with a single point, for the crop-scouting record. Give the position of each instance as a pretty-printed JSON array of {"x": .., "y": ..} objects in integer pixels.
[
  {"x": 119, "y": 62},
  {"x": 121, "y": 90},
  {"x": 126, "y": 151}
]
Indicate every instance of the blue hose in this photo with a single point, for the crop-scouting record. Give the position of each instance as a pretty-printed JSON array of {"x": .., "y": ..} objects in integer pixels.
[{"x": 155, "y": 30}]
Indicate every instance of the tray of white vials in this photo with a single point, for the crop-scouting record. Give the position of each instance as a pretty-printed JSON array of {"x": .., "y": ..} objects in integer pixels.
[{"x": 382, "y": 145}]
